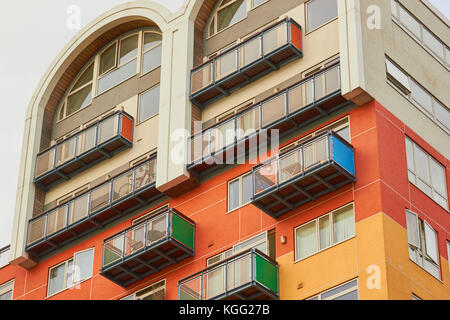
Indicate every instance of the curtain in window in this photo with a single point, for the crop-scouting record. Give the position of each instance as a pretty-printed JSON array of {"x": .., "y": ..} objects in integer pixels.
[
  {"x": 324, "y": 231},
  {"x": 306, "y": 240},
  {"x": 431, "y": 243},
  {"x": 344, "y": 224},
  {"x": 83, "y": 262}
]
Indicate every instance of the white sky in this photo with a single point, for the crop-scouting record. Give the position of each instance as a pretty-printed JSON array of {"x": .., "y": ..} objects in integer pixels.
[{"x": 32, "y": 33}]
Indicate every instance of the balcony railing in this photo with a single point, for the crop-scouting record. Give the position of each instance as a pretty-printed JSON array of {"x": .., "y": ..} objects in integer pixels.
[
  {"x": 148, "y": 247},
  {"x": 301, "y": 175},
  {"x": 250, "y": 275},
  {"x": 91, "y": 210},
  {"x": 245, "y": 62},
  {"x": 84, "y": 149},
  {"x": 294, "y": 107}
]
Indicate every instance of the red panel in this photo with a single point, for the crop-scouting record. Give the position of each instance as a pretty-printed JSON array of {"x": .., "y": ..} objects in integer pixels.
[
  {"x": 296, "y": 37},
  {"x": 127, "y": 128}
]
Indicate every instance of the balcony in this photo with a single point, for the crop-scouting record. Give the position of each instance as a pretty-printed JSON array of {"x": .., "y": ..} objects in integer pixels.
[
  {"x": 161, "y": 240},
  {"x": 86, "y": 148},
  {"x": 250, "y": 275},
  {"x": 312, "y": 98},
  {"x": 312, "y": 169},
  {"x": 91, "y": 210},
  {"x": 236, "y": 67}
]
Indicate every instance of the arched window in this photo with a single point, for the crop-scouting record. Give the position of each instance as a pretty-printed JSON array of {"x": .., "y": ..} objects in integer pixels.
[
  {"x": 121, "y": 59},
  {"x": 229, "y": 12}
]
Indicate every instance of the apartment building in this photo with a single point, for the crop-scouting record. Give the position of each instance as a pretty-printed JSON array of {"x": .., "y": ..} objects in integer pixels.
[{"x": 127, "y": 191}]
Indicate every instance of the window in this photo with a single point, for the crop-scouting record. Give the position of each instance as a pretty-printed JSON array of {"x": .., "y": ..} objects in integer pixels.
[
  {"x": 6, "y": 290},
  {"x": 426, "y": 173},
  {"x": 323, "y": 232},
  {"x": 414, "y": 297},
  {"x": 156, "y": 291},
  {"x": 420, "y": 33},
  {"x": 4, "y": 256},
  {"x": 418, "y": 96},
  {"x": 423, "y": 245},
  {"x": 70, "y": 272},
  {"x": 320, "y": 12},
  {"x": 228, "y": 13},
  {"x": 148, "y": 103},
  {"x": 151, "y": 56},
  {"x": 346, "y": 291},
  {"x": 240, "y": 191}
]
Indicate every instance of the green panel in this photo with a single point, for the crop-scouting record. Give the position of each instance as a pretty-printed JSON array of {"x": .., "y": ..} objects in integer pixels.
[
  {"x": 183, "y": 231},
  {"x": 110, "y": 257},
  {"x": 266, "y": 273}
]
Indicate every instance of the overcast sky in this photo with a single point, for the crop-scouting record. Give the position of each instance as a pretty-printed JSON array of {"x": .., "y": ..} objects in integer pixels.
[{"x": 33, "y": 32}]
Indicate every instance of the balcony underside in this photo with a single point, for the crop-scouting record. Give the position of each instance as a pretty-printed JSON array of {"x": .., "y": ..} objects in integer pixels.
[
  {"x": 286, "y": 125},
  {"x": 322, "y": 179},
  {"x": 96, "y": 220},
  {"x": 79, "y": 163},
  {"x": 245, "y": 75},
  {"x": 146, "y": 261},
  {"x": 249, "y": 291}
]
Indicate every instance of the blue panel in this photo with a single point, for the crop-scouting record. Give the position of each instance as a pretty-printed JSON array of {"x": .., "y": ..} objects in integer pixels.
[{"x": 343, "y": 155}]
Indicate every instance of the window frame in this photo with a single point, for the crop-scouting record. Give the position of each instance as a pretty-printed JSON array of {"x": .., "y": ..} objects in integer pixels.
[
  {"x": 319, "y": 295},
  {"x": 213, "y": 16},
  {"x": 144, "y": 51},
  {"x": 66, "y": 272},
  {"x": 6, "y": 287},
  {"x": 134, "y": 294},
  {"x": 138, "y": 113},
  {"x": 240, "y": 179},
  {"x": 430, "y": 158},
  {"x": 317, "y": 227},
  {"x": 307, "y": 31}
]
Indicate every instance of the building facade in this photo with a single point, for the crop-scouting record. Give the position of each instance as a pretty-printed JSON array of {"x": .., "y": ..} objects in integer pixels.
[{"x": 150, "y": 166}]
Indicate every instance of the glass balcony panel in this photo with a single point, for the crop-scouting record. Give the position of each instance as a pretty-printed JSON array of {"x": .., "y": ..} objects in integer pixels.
[
  {"x": 134, "y": 239},
  {"x": 200, "y": 146},
  {"x": 65, "y": 151},
  {"x": 201, "y": 77},
  {"x": 36, "y": 229},
  {"x": 248, "y": 123},
  {"x": 151, "y": 59},
  {"x": 309, "y": 91},
  {"x": 274, "y": 38},
  {"x": 100, "y": 197},
  {"x": 107, "y": 129},
  {"x": 239, "y": 272},
  {"x": 250, "y": 51},
  {"x": 315, "y": 152},
  {"x": 56, "y": 219},
  {"x": 122, "y": 186},
  {"x": 117, "y": 76},
  {"x": 332, "y": 80},
  {"x": 86, "y": 140},
  {"x": 192, "y": 289},
  {"x": 79, "y": 208},
  {"x": 319, "y": 85},
  {"x": 45, "y": 162},
  {"x": 113, "y": 250},
  {"x": 266, "y": 177},
  {"x": 215, "y": 282},
  {"x": 226, "y": 64},
  {"x": 157, "y": 229},
  {"x": 145, "y": 174},
  {"x": 273, "y": 109},
  {"x": 222, "y": 135},
  {"x": 299, "y": 97},
  {"x": 290, "y": 165}
]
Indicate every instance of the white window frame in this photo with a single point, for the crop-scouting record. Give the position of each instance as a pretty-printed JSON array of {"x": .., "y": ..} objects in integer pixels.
[
  {"x": 139, "y": 104},
  {"x": 331, "y": 223},
  {"x": 7, "y": 287},
  {"x": 319, "y": 295},
  {"x": 213, "y": 16},
  {"x": 240, "y": 179},
  {"x": 4, "y": 256},
  {"x": 134, "y": 295},
  {"x": 307, "y": 22},
  {"x": 420, "y": 253},
  {"x": 144, "y": 51},
  {"x": 66, "y": 271},
  {"x": 407, "y": 93},
  {"x": 416, "y": 177}
]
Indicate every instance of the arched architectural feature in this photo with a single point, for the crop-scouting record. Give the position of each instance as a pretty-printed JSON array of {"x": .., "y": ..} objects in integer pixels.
[{"x": 47, "y": 97}]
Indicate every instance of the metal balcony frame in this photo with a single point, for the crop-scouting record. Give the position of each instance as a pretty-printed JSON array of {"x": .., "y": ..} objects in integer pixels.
[
  {"x": 310, "y": 172},
  {"x": 91, "y": 215},
  {"x": 79, "y": 158},
  {"x": 252, "y": 283},
  {"x": 137, "y": 277},
  {"x": 315, "y": 104},
  {"x": 241, "y": 70}
]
